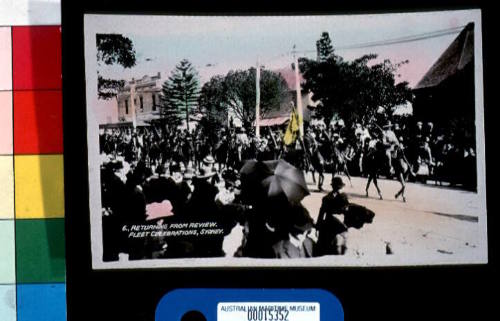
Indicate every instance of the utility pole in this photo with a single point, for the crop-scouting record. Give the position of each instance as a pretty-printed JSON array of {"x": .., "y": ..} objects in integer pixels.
[
  {"x": 132, "y": 104},
  {"x": 257, "y": 100},
  {"x": 299, "y": 95}
]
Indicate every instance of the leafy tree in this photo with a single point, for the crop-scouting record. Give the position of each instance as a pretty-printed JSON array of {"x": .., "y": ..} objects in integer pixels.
[
  {"x": 240, "y": 93},
  {"x": 213, "y": 105},
  {"x": 180, "y": 93},
  {"x": 113, "y": 49},
  {"x": 354, "y": 90},
  {"x": 212, "y": 100},
  {"x": 235, "y": 93},
  {"x": 108, "y": 88}
]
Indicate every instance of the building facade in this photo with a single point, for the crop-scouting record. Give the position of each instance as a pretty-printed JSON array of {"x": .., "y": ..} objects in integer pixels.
[{"x": 139, "y": 100}]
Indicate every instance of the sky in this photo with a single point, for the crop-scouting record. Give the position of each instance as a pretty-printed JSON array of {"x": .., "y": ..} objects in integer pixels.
[{"x": 216, "y": 45}]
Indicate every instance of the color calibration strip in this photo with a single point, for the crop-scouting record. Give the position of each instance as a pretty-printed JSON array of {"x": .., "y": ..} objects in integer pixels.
[{"x": 32, "y": 253}]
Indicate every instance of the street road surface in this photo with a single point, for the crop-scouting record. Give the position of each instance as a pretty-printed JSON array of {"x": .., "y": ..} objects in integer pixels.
[{"x": 435, "y": 225}]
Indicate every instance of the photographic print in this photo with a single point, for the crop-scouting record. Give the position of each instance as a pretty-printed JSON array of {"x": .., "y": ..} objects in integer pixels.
[{"x": 327, "y": 140}]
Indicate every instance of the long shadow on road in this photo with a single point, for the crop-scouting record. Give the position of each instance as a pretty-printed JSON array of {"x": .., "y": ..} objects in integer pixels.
[{"x": 460, "y": 217}]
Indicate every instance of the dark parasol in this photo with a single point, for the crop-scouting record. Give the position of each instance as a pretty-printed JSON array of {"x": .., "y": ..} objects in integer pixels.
[{"x": 269, "y": 179}]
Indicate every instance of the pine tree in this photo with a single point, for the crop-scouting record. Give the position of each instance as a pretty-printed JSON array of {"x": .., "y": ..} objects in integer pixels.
[
  {"x": 324, "y": 47},
  {"x": 180, "y": 93},
  {"x": 169, "y": 110}
]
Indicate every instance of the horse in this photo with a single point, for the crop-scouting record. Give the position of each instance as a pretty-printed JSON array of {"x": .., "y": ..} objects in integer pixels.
[
  {"x": 371, "y": 160},
  {"x": 187, "y": 152},
  {"x": 314, "y": 162},
  {"x": 234, "y": 159},
  {"x": 221, "y": 153},
  {"x": 401, "y": 171},
  {"x": 377, "y": 160},
  {"x": 326, "y": 157},
  {"x": 339, "y": 163},
  {"x": 202, "y": 148}
]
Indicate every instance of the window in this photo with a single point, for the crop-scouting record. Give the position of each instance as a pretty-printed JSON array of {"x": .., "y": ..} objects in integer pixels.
[
  {"x": 141, "y": 102},
  {"x": 154, "y": 102},
  {"x": 126, "y": 106}
]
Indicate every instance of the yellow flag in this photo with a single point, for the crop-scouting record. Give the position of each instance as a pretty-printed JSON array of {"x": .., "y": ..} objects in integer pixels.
[{"x": 293, "y": 128}]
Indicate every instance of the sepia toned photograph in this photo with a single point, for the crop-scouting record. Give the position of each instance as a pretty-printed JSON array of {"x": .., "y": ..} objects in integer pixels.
[{"x": 276, "y": 141}]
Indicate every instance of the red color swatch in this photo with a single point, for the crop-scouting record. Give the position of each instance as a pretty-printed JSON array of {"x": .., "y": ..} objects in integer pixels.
[
  {"x": 36, "y": 57},
  {"x": 38, "y": 122}
]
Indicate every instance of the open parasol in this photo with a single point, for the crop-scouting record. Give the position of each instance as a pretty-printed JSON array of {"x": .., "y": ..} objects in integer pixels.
[{"x": 274, "y": 178}]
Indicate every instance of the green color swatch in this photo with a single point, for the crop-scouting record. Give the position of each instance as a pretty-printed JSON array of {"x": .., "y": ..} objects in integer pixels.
[{"x": 40, "y": 251}]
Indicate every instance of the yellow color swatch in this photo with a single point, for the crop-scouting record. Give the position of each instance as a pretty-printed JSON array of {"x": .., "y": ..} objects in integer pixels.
[
  {"x": 6, "y": 188},
  {"x": 39, "y": 186}
]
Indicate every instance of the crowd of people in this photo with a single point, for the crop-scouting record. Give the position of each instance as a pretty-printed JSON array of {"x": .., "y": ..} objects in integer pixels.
[
  {"x": 195, "y": 177},
  {"x": 432, "y": 155}
]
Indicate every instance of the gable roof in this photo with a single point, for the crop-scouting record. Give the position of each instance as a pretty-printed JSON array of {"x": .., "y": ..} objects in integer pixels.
[{"x": 455, "y": 58}]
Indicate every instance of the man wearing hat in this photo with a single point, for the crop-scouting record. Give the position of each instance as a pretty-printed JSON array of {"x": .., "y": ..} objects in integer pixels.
[
  {"x": 241, "y": 141},
  {"x": 389, "y": 134},
  {"x": 208, "y": 160},
  {"x": 391, "y": 142},
  {"x": 204, "y": 191},
  {"x": 207, "y": 170},
  {"x": 330, "y": 228},
  {"x": 298, "y": 244}
]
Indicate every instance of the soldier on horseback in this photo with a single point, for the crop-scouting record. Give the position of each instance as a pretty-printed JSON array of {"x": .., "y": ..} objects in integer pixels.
[
  {"x": 401, "y": 169},
  {"x": 312, "y": 147},
  {"x": 339, "y": 157},
  {"x": 391, "y": 145},
  {"x": 386, "y": 153},
  {"x": 371, "y": 157}
]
